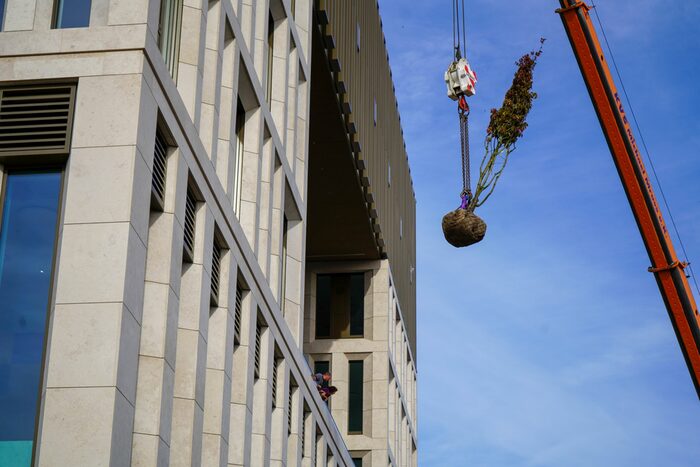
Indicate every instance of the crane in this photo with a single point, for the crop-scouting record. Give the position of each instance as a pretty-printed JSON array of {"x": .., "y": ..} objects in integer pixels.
[{"x": 665, "y": 265}]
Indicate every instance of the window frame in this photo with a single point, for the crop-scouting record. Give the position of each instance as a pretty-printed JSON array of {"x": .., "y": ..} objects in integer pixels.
[
  {"x": 55, "y": 15},
  {"x": 21, "y": 165}
]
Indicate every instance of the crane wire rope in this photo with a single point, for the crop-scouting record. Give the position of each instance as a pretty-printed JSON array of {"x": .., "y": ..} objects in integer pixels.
[
  {"x": 646, "y": 149},
  {"x": 459, "y": 43}
]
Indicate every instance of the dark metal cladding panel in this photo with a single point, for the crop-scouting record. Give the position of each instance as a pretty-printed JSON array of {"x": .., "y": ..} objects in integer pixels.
[{"x": 367, "y": 77}]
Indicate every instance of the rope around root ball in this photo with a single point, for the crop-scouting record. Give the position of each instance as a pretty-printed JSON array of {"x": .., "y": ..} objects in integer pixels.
[{"x": 463, "y": 228}]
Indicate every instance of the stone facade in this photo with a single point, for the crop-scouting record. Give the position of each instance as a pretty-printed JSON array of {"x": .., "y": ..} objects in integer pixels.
[{"x": 145, "y": 365}]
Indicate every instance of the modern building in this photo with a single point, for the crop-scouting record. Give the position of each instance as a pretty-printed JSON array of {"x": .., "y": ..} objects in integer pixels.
[{"x": 202, "y": 202}]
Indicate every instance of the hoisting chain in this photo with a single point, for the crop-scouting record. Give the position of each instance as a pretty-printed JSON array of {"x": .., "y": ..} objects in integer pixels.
[{"x": 463, "y": 111}]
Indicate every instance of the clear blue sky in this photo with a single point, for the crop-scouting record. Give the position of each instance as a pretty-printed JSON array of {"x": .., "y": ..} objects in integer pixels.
[{"x": 548, "y": 344}]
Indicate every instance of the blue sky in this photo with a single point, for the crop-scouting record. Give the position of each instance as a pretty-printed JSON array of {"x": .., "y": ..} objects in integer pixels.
[{"x": 548, "y": 344}]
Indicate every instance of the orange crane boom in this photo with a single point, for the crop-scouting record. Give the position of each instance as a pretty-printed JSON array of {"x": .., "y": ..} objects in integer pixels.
[{"x": 666, "y": 267}]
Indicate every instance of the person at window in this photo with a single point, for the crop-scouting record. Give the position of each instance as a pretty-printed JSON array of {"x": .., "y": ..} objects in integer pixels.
[
  {"x": 322, "y": 379},
  {"x": 327, "y": 392}
]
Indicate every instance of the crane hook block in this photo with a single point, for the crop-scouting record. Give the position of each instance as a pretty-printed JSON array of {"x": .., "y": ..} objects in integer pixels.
[{"x": 460, "y": 79}]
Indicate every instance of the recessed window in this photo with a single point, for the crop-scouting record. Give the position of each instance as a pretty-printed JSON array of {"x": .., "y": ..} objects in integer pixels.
[
  {"x": 238, "y": 170},
  {"x": 270, "y": 54},
  {"x": 169, "y": 29},
  {"x": 340, "y": 308},
  {"x": 283, "y": 287},
  {"x": 2, "y": 12},
  {"x": 357, "y": 35},
  {"x": 355, "y": 395},
  {"x": 72, "y": 14},
  {"x": 389, "y": 174},
  {"x": 29, "y": 206},
  {"x": 357, "y": 461},
  {"x": 322, "y": 366},
  {"x": 401, "y": 228}
]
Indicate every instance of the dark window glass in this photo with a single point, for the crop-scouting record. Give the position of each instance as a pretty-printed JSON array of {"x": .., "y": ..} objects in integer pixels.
[
  {"x": 72, "y": 14},
  {"x": 340, "y": 307},
  {"x": 355, "y": 396},
  {"x": 323, "y": 306},
  {"x": 322, "y": 367},
  {"x": 357, "y": 461},
  {"x": 27, "y": 242},
  {"x": 2, "y": 12},
  {"x": 270, "y": 52},
  {"x": 357, "y": 304}
]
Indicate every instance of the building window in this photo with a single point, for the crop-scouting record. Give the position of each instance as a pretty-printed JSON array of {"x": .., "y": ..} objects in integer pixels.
[
  {"x": 2, "y": 12},
  {"x": 283, "y": 287},
  {"x": 71, "y": 14},
  {"x": 357, "y": 35},
  {"x": 169, "y": 29},
  {"x": 240, "y": 141},
  {"x": 30, "y": 206},
  {"x": 270, "y": 54},
  {"x": 389, "y": 174},
  {"x": 355, "y": 390},
  {"x": 357, "y": 461},
  {"x": 401, "y": 228},
  {"x": 322, "y": 366},
  {"x": 293, "y": 7},
  {"x": 340, "y": 305}
]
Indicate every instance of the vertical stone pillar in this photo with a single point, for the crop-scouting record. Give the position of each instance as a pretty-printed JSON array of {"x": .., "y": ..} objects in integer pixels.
[{"x": 90, "y": 392}]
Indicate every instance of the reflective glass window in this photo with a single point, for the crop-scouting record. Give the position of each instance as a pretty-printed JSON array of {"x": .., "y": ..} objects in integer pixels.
[
  {"x": 27, "y": 242},
  {"x": 72, "y": 14},
  {"x": 2, "y": 12},
  {"x": 355, "y": 395}
]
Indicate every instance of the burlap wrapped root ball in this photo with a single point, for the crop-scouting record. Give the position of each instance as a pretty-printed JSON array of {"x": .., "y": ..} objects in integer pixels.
[{"x": 463, "y": 228}]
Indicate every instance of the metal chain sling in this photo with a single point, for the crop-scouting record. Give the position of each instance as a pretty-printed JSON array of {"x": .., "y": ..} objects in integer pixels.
[{"x": 463, "y": 112}]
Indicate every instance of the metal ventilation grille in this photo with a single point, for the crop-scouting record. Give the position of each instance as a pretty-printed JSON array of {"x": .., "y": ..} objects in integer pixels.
[
  {"x": 289, "y": 410},
  {"x": 36, "y": 119},
  {"x": 215, "y": 273},
  {"x": 274, "y": 383},
  {"x": 237, "y": 315},
  {"x": 190, "y": 213},
  {"x": 160, "y": 155},
  {"x": 258, "y": 332}
]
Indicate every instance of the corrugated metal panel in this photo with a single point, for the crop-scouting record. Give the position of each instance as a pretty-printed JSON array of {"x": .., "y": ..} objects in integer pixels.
[{"x": 366, "y": 78}]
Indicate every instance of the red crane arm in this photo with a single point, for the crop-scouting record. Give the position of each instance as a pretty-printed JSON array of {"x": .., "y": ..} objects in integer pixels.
[{"x": 666, "y": 267}]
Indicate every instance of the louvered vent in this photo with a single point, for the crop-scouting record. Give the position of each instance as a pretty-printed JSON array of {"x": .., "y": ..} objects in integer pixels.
[
  {"x": 215, "y": 273},
  {"x": 258, "y": 335},
  {"x": 303, "y": 436},
  {"x": 190, "y": 216},
  {"x": 289, "y": 410},
  {"x": 237, "y": 315},
  {"x": 274, "y": 383},
  {"x": 36, "y": 119},
  {"x": 160, "y": 155}
]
